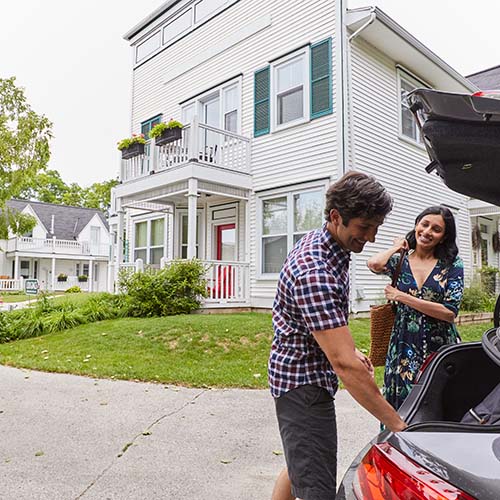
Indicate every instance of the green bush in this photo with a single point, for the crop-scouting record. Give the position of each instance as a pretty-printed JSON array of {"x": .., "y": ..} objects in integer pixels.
[
  {"x": 176, "y": 289},
  {"x": 488, "y": 278},
  {"x": 476, "y": 299},
  {"x": 73, "y": 289}
]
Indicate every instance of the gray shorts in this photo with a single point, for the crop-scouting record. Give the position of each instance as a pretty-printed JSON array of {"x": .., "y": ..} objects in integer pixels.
[{"x": 306, "y": 419}]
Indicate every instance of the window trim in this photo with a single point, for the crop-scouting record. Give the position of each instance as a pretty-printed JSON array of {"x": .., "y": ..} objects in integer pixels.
[
  {"x": 403, "y": 74},
  {"x": 305, "y": 54},
  {"x": 148, "y": 246},
  {"x": 289, "y": 192},
  {"x": 218, "y": 92}
]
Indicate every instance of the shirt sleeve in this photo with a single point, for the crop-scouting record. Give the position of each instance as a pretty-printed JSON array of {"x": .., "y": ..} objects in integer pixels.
[
  {"x": 454, "y": 286},
  {"x": 322, "y": 300}
]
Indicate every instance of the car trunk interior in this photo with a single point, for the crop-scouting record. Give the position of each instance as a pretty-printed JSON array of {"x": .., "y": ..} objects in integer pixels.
[{"x": 457, "y": 382}]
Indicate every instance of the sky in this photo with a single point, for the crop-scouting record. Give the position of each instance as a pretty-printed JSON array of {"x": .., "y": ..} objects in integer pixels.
[{"x": 75, "y": 67}]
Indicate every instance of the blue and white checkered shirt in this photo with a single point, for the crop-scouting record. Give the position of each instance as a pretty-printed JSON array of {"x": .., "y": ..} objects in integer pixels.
[{"x": 312, "y": 295}]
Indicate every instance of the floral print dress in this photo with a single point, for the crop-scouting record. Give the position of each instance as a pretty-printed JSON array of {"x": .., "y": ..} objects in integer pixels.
[{"x": 414, "y": 334}]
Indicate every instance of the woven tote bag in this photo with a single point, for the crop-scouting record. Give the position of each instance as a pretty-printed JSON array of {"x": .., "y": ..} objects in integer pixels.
[{"x": 381, "y": 322}]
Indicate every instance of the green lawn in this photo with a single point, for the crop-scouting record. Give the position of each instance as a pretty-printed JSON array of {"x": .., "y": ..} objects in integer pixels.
[
  {"x": 9, "y": 297},
  {"x": 194, "y": 350}
]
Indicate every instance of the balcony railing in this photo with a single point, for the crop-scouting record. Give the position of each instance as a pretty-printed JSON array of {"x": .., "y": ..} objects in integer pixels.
[
  {"x": 199, "y": 142},
  {"x": 53, "y": 245}
]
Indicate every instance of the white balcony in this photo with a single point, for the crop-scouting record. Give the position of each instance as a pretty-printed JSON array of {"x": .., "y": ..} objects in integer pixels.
[
  {"x": 56, "y": 246},
  {"x": 202, "y": 144}
]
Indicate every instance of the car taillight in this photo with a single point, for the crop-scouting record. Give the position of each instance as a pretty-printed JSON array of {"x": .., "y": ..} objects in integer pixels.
[
  {"x": 387, "y": 474},
  {"x": 492, "y": 94},
  {"x": 425, "y": 364}
]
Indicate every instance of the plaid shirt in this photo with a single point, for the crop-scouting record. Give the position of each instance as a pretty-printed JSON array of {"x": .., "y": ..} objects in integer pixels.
[{"x": 312, "y": 295}]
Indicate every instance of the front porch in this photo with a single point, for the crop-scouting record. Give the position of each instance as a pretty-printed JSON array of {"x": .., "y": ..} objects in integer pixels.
[{"x": 189, "y": 199}]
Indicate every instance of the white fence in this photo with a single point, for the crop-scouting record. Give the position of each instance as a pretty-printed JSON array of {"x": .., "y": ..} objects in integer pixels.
[
  {"x": 200, "y": 143},
  {"x": 7, "y": 285}
]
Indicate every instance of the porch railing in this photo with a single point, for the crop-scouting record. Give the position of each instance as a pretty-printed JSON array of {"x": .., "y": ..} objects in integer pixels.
[
  {"x": 7, "y": 285},
  {"x": 54, "y": 245},
  {"x": 200, "y": 143},
  {"x": 71, "y": 281},
  {"x": 228, "y": 282}
]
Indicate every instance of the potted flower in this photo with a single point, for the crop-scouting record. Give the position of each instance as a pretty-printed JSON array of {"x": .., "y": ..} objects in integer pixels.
[
  {"x": 82, "y": 278},
  {"x": 62, "y": 277},
  {"x": 132, "y": 146},
  {"x": 163, "y": 133}
]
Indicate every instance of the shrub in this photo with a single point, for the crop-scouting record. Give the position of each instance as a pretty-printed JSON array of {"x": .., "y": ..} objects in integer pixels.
[
  {"x": 476, "y": 299},
  {"x": 176, "y": 289},
  {"x": 73, "y": 289},
  {"x": 488, "y": 278}
]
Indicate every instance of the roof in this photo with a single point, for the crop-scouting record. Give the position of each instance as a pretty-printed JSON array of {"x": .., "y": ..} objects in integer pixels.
[
  {"x": 149, "y": 19},
  {"x": 381, "y": 31},
  {"x": 68, "y": 221},
  {"x": 487, "y": 79}
]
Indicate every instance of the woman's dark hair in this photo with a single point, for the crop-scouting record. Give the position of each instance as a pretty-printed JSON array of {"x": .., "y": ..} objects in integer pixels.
[
  {"x": 447, "y": 249},
  {"x": 357, "y": 195}
]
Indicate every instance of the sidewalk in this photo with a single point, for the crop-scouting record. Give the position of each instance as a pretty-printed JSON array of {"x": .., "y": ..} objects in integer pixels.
[{"x": 68, "y": 437}]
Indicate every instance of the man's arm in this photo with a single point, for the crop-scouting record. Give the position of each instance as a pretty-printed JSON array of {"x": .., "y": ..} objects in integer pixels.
[{"x": 338, "y": 345}]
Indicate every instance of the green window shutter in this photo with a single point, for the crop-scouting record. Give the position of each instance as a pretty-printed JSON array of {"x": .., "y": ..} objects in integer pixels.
[
  {"x": 262, "y": 111},
  {"x": 321, "y": 78}
]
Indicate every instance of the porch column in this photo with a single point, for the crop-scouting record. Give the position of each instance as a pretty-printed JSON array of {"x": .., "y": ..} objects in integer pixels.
[
  {"x": 16, "y": 267},
  {"x": 192, "y": 201},
  {"x": 111, "y": 264},
  {"x": 91, "y": 276},
  {"x": 119, "y": 237},
  {"x": 53, "y": 285}
]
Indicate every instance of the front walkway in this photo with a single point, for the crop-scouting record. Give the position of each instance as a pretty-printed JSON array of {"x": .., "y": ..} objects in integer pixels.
[{"x": 69, "y": 438}]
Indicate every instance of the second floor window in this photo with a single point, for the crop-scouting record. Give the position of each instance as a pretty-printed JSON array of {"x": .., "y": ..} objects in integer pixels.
[{"x": 408, "y": 124}]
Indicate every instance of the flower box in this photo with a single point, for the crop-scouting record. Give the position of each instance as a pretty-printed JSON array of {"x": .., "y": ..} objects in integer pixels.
[
  {"x": 168, "y": 135},
  {"x": 82, "y": 278},
  {"x": 62, "y": 277},
  {"x": 135, "y": 149}
]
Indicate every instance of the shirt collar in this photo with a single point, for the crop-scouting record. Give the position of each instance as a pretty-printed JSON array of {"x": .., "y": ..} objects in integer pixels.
[{"x": 335, "y": 250}]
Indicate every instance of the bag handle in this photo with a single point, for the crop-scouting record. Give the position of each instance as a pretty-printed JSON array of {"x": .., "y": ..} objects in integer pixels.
[{"x": 397, "y": 271}]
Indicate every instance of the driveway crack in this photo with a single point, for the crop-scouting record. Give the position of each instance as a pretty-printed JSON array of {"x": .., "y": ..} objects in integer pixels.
[{"x": 146, "y": 432}]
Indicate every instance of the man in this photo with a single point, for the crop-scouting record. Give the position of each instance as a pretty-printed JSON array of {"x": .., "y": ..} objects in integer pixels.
[{"x": 312, "y": 343}]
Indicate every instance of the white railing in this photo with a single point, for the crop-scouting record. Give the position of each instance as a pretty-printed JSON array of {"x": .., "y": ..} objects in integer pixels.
[
  {"x": 54, "y": 245},
  {"x": 200, "y": 143},
  {"x": 71, "y": 281},
  {"x": 11, "y": 285},
  {"x": 227, "y": 282}
]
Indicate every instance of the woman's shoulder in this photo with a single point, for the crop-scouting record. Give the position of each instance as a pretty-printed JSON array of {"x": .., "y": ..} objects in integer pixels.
[{"x": 457, "y": 262}]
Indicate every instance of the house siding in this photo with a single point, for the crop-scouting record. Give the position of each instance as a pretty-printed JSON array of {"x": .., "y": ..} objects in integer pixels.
[
  {"x": 400, "y": 166},
  {"x": 295, "y": 155}
]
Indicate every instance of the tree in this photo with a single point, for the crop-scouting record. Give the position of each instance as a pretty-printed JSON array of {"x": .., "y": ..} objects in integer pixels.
[
  {"x": 24, "y": 153},
  {"x": 99, "y": 195},
  {"x": 48, "y": 187}
]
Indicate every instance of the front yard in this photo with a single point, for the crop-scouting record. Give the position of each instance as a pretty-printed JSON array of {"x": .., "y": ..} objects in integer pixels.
[{"x": 193, "y": 350}]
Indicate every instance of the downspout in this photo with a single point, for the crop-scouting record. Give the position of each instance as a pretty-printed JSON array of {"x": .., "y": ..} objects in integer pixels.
[{"x": 348, "y": 149}]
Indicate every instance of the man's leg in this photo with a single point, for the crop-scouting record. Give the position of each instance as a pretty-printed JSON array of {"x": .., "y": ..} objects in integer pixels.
[{"x": 283, "y": 487}]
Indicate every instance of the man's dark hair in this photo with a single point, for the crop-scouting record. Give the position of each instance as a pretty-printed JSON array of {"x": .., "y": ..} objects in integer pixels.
[
  {"x": 447, "y": 249},
  {"x": 357, "y": 195}
]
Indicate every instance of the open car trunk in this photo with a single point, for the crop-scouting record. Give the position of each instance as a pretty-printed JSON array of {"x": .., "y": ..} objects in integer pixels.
[
  {"x": 461, "y": 133},
  {"x": 458, "y": 378}
]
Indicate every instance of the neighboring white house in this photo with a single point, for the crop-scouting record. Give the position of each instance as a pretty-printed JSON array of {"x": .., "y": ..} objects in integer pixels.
[
  {"x": 484, "y": 216},
  {"x": 68, "y": 241},
  {"x": 278, "y": 99}
]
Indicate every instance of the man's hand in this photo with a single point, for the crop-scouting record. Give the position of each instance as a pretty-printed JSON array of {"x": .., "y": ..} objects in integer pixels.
[{"x": 366, "y": 361}]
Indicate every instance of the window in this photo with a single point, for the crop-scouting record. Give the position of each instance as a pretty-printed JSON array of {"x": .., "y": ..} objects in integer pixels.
[
  {"x": 294, "y": 89},
  {"x": 184, "y": 235},
  {"x": 408, "y": 123},
  {"x": 285, "y": 219},
  {"x": 150, "y": 241},
  {"x": 176, "y": 27},
  {"x": 219, "y": 108},
  {"x": 148, "y": 47},
  {"x": 289, "y": 92},
  {"x": 147, "y": 125}
]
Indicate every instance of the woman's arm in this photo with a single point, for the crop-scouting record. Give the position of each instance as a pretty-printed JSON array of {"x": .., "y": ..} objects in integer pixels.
[
  {"x": 376, "y": 263},
  {"x": 433, "y": 309}
]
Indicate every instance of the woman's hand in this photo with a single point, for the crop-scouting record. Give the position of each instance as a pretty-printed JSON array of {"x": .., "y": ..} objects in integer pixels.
[
  {"x": 392, "y": 293},
  {"x": 400, "y": 244}
]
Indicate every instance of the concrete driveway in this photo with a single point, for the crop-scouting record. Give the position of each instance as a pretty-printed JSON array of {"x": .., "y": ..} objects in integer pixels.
[{"x": 68, "y": 437}]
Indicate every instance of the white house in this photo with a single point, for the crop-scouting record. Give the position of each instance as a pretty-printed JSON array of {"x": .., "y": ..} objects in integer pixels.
[
  {"x": 278, "y": 99},
  {"x": 68, "y": 241}
]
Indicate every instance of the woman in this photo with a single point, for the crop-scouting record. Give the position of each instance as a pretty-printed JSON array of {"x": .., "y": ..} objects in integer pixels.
[{"x": 428, "y": 295}]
